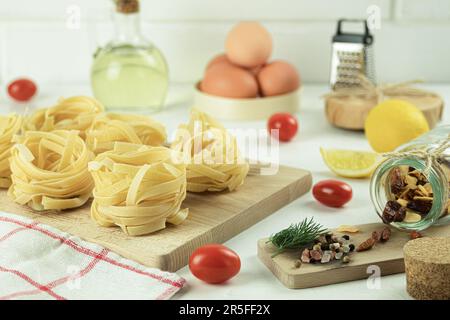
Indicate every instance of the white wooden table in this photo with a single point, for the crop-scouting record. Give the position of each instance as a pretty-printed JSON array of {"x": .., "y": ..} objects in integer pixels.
[{"x": 255, "y": 281}]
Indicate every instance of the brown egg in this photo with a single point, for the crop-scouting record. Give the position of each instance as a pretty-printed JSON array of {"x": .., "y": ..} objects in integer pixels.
[
  {"x": 219, "y": 59},
  {"x": 256, "y": 70},
  {"x": 226, "y": 80},
  {"x": 248, "y": 44},
  {"x": 278, "y": 77}
]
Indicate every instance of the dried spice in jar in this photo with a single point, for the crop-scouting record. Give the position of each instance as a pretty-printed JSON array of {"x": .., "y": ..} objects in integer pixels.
[{"x": 410, "y": 190}]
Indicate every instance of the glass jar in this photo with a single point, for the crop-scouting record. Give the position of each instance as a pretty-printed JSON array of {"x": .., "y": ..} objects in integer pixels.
[{"x": 387, "y": 186}]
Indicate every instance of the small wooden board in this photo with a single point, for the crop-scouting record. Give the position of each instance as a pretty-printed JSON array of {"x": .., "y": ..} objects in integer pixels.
[
  {"x": 213, "y": 218},
  {"x": 387, "y": 256}
]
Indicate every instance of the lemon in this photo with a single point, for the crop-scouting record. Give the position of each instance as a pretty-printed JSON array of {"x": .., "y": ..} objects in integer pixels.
[
  {"x": 393, "y": 123},
  {"x": 349, "y": 163}
]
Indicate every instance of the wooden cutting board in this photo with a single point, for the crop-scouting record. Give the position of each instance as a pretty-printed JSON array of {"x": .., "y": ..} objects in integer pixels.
[
  {"x": 213, "y": 218},
  {"x": 387, "y": 256}
]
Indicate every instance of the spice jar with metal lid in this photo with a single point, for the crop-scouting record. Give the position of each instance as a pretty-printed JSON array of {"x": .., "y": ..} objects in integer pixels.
[{"x": 410, "y": 189}]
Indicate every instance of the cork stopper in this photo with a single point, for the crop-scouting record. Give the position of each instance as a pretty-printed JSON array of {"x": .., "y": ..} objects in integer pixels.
[
  {"x": 427, "y": 267},
  {"x": 127, "y": 6}
]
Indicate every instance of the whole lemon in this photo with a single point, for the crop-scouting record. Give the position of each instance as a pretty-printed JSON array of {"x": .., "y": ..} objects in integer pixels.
[{"x": 393, "y": 123}]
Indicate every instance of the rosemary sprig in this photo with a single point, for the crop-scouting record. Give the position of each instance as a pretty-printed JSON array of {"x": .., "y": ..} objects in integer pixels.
[{"x": 296, "y": 236}]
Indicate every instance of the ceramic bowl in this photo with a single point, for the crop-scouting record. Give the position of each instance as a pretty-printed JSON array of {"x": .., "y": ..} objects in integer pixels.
[{"x": 246, "y": 109}]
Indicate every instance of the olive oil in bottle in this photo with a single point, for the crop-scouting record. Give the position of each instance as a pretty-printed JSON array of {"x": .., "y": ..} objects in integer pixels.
[{"x": 129, "y": 73}]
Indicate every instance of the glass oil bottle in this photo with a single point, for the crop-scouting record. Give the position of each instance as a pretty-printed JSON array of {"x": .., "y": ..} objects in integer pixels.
[{"x": 129, "y": 73}]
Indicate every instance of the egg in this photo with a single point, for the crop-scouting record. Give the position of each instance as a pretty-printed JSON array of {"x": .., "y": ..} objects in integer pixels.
[
  {"x": 257, "y": 69},
  {"x": 278, "y": 77},
  {"x": 219, "y": 59},
  {"x": 227, "y": 80},
  {"x": 248, "y": 44}
]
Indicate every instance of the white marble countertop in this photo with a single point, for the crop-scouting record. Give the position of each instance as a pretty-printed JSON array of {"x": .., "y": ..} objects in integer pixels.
[{"x": 254, "y": 280}]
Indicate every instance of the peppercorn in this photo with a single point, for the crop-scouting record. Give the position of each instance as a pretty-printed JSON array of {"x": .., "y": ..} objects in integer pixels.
[
  {"x": 339, "y": 255},
  {"x": 297, "y": 264},
  {"x": 346, "y": 237},
  {"x": 306, "y": 258},
  {"x": 316, "y": 255},
  {"x": 333, "y": 255},
  {"x": 326, "y": 257},
  {"x": 415, "y": 235},
  {"x": 352, "y": 247}
]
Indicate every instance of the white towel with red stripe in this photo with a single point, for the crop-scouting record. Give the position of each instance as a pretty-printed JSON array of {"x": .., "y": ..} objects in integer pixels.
[{"x": 41, "y": 262}]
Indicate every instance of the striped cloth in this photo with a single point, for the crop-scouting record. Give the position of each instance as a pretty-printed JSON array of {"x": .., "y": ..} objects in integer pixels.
[{"x": 41, "y": 262}]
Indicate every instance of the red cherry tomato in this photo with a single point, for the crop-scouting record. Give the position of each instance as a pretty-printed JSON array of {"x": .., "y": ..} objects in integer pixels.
[
  {"x": 22, "y": 89},
  {"x": 214, "y": 263},
  {"x": 332, "y": 193},
  {"x": 286, "y": 123}
]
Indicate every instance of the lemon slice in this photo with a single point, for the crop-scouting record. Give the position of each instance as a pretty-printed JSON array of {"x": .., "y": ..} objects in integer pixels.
[{"x": 349, "y": 163}]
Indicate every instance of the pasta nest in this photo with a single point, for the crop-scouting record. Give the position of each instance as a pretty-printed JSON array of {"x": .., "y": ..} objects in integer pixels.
[
  {"x": 50, "y": 170},
  {"x": 9, "y": 126},
  {"x": 112, "y": 127},
  {"x": 212, "y": 155},
  {"x": 138, "y": 188},
  {"x": 74, "y": 113}
]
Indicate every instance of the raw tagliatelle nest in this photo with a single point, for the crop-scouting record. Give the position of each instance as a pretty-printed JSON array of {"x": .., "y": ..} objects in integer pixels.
[
  {"x": 112, "y": 127},
  {"x": 214, "y": 162},
  {"x": 50, "y": 170},
  {"x": 74, "y": 113},
  {"x": 138, "y": 188},
  {"x": 9, "y": 126}
]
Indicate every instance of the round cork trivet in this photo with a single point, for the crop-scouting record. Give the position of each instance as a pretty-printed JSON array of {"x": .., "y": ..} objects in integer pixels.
[{"x": 427, "y": 267}]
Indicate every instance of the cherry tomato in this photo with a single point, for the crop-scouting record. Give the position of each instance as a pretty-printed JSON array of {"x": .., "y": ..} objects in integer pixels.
[
  {"x": 286, "y": 123},
  {"x": 332, "y": 193},
  {"x": 22, "y": 89},
  {"x": 214, "y": 263}
]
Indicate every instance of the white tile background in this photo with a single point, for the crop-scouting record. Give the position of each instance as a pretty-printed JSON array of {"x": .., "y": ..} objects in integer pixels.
[{"x": 413, "y": 41}]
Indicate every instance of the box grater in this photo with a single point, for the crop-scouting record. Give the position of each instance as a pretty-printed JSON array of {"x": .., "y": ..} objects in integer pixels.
[{"x": 352, "y": 55}]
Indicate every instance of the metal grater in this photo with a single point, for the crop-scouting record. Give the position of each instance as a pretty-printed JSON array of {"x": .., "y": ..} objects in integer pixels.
[{"x": 352, "y": 55}]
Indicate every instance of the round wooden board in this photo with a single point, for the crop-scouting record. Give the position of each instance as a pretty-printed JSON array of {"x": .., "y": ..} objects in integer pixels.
[{"x": 351, "y": 112}]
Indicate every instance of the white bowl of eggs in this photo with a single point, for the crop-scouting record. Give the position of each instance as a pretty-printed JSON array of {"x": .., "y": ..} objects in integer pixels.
[{"x": 242, "y": 84}]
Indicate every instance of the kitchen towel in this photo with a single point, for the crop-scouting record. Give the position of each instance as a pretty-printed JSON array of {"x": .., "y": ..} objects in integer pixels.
[{"x": 41, "y": 262}]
